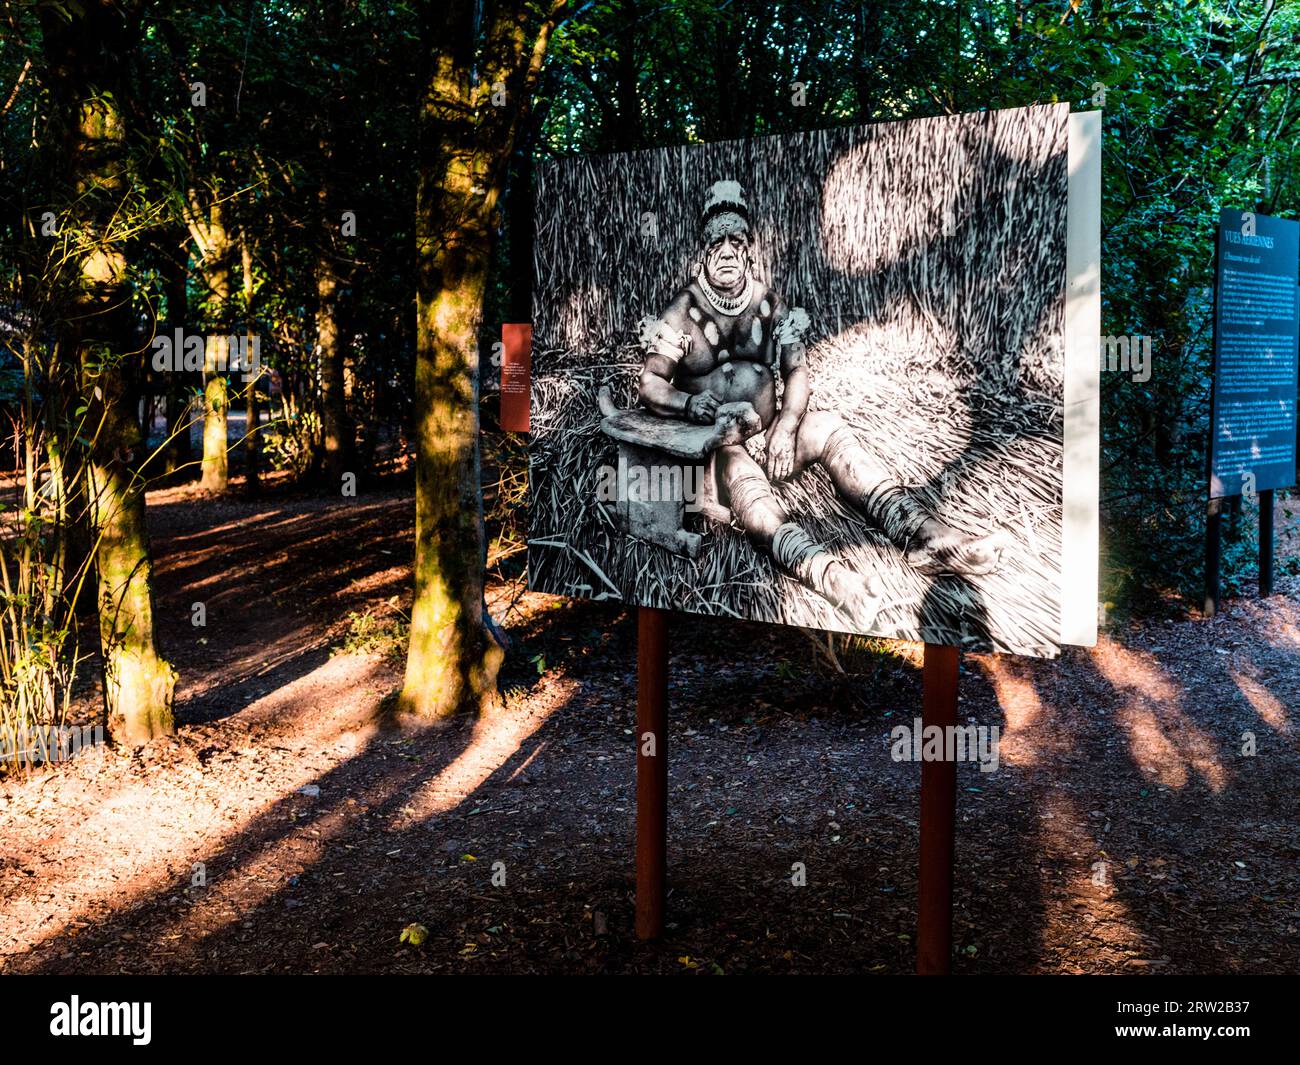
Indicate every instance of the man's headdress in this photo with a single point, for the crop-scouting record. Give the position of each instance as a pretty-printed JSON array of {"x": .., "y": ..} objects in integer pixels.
[{"x": 725, "y": 211}]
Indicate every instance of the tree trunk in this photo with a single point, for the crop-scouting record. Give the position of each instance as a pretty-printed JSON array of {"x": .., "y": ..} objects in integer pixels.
[
  {"x": 252, "y": 427},
  {"x": 179, "y": 450},
  {"x": 216, "y": 355},
  {"x": 465, "y": 146},
  {"x": 337, "y": 441},
  {"x": 138, "y": 684},
  {"x": 92, "y": 91},
  {"x": 336, "y": 433},
  {"x": 627, "y": 134},
  {"x": 522, "y": 235}
]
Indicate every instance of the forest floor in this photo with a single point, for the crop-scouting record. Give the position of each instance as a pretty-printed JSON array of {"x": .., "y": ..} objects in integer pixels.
[{"x": 291, "y": 827}]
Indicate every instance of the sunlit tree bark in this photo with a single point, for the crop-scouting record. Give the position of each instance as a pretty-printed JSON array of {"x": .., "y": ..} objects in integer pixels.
[
  {"x": 91, "y": 94},
  {"x": 208, "y": 228},
  {"x": 468, "y": 128},
  {"x": 252, "y": 427}
]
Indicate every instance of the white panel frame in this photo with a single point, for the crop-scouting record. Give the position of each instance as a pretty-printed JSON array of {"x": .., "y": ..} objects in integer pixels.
[{"x": 1080, "y": 534}]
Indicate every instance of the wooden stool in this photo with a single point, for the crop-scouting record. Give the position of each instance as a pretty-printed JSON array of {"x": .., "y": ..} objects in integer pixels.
[{"x": 652, "y": 442}]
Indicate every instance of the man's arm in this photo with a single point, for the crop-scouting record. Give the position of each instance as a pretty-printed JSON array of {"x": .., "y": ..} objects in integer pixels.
[
  {"x": 666, "y": 343},
  {"x": 791, "y": 324},
  {"x": 656, "y": 387}
]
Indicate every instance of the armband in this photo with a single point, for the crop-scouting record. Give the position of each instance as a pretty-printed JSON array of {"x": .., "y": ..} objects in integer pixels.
[
  {"x": 792, "y": 327},
  {"x": 660, "y": 338}
]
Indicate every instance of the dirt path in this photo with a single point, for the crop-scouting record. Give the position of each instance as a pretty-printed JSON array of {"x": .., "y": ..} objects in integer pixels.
[{"x": 1123, "y": 831}]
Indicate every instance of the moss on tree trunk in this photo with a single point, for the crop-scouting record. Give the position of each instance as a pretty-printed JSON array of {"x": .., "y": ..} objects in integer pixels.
[
  {"x": 466, "y": 138},
  {"x": 138, "y": 683},
  {"x": 217, "y": 249},
  {"x": 453, "y": 660},
  {"x": 91, "y": 97}
]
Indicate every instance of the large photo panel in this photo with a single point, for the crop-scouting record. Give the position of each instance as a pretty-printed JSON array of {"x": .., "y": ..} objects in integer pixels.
[{"x": 816, "y": 379}]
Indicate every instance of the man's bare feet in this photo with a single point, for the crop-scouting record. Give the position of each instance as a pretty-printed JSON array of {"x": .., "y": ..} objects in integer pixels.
[
  {"x": 938, "y": 548},
  {"x": 858, "y": 598}
]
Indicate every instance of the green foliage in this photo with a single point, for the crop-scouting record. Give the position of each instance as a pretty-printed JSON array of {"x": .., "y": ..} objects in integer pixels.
[{"x": 370, "y": 633}]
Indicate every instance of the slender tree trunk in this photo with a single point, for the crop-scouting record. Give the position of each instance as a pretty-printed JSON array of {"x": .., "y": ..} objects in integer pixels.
[
  {"x": 336, "y": 433},
  {"x": 92, "y": 90},
  {"x": 216, "y": 247},
  {"x": 138, "y": 684},
  {"x": 337, "y": 450},
  {"x": 867, "y": 40},
  {"x": 522, "y": 235},
  {"x": 465, "y": 146},
  {"x": 252, "y": 428},
  {"x": 180, "y": 450},
  {"x": 627, "y": 134}
]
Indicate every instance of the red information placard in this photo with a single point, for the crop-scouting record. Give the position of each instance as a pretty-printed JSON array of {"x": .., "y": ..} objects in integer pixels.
[{"x": 516, "y": 375}]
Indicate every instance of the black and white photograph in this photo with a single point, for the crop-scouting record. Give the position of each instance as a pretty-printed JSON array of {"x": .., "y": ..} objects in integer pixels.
[{"x": 814, "y": 379}]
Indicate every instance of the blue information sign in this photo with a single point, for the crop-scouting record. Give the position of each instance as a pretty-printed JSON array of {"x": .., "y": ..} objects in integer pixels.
[{"x": 1256, "y": 354}]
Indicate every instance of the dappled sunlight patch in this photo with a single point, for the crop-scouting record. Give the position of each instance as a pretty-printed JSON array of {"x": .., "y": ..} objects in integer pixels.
[
  {"x": 494, "y": 740},
  {"x": 379, "y": 581},
  {"x": 311, "y": 520},
  {"x": 1027, "y": 729},
  {"x": 498, "y": 735},
  {"x": 185, "y": 493},
  {"x": 238, "y": 887},
  {"x": 246, "y": 665},
  {"x": 1267, "y": 705},
  {"x": 1162, "y": 739},
  {"x": 340, "y": 695},
  {"x": 1150, "y": 748},
  {"x": 1285, "y": 632},
  {"x": 143, "y": 838},
  {"x": 254, "y": 519},
  {"x": 910, "y": 651},
  {"x": 1076, "y": 871}
]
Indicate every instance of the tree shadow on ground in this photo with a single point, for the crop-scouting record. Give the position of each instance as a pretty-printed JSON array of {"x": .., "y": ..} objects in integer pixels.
[
  {"x": 251, "y": 641},
  {"x": 386, "y": 845}
]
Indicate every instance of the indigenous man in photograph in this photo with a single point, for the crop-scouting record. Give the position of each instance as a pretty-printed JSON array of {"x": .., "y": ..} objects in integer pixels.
[{"x": 721, "y": 339}]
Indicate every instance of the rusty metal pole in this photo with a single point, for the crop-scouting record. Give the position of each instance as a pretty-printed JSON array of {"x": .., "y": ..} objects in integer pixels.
[
  {"x": 938, "y": 818},
  {"x": 1213, "y": 554},
  {"x": 651, "y": 770},
  {"x": 1266, "y": 543}
]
